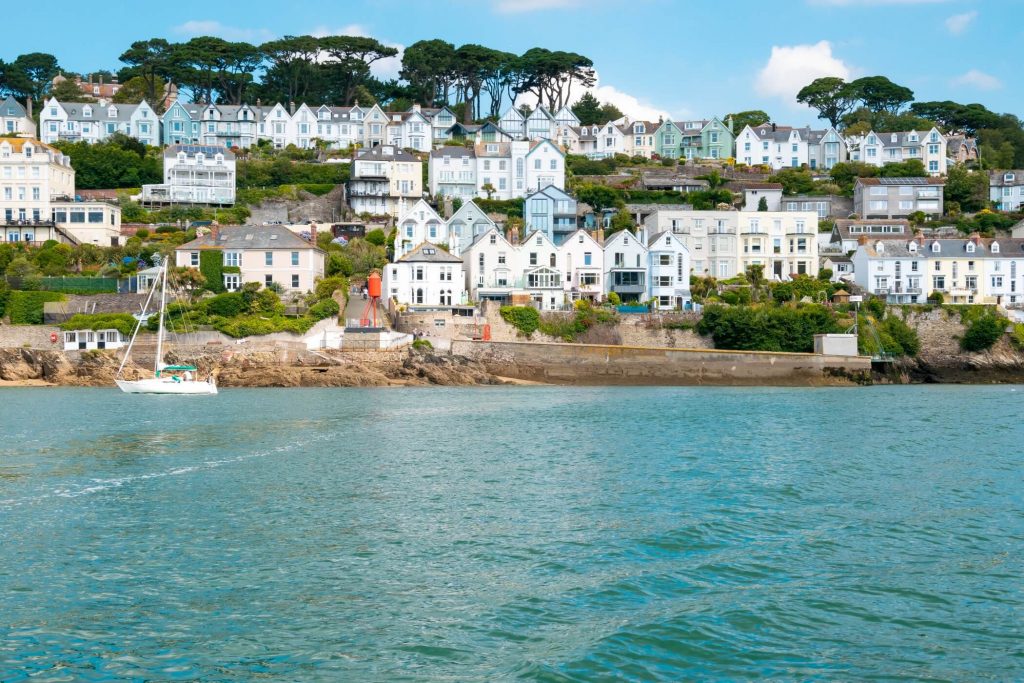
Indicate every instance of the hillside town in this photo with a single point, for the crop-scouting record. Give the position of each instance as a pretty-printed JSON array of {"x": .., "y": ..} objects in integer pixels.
[{"x": 558, "y": 209}]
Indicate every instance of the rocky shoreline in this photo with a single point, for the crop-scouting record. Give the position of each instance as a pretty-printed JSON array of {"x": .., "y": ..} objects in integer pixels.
[
  {"x": 31, "y": 367},
  {"x": 269, "y": 368}
]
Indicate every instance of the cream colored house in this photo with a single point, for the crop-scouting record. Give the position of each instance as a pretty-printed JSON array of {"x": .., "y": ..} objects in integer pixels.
[
  {"x": 385, "y": 180},
  {"x": 723, "y": 244},
  {"x": 257, "y": 254},
  {"x": 37, "y": 199}
]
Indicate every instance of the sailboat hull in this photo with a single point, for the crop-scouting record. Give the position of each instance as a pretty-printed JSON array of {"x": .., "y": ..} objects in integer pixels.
[{"x": 166, "y": 386}]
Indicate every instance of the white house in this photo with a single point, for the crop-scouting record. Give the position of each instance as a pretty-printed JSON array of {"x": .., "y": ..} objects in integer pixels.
[
  {"x": 787, "y": 147},
  {"x": 626, "y": 266},
  {"x": 894, "y": 269},
  {"x": 419, "y": 224},
  {"x": 497, "y": 170},
  {"x": 465, "y": 225},
  {"x": 542, "y": 272},
  {"x": 582, "y": 259},
  {"x": 492, "y": 269},
  {"x": 426, "y": 276},
  {"x": 929, "y": 147},
  {"x": 195, "y": 174},
  {"x": 597, "y": 141},
  {"x": 96, "y": 121},
  {"x": 1006, "y": 189},
  {"x": 14, "y": 118},
  {"x": 669, "y": 271}
]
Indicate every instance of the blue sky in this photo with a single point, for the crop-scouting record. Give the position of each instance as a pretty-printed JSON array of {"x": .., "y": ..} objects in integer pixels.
[{"x": 684, "y": 58}]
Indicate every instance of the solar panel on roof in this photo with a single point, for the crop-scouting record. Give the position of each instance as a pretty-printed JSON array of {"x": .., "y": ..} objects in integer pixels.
[{"x": 902, "y": 181}]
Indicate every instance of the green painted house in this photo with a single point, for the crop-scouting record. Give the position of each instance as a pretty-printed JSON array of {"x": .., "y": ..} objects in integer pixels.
[
  {"x": 668, "y": 140},
  {"x": 717, "y": 139}
]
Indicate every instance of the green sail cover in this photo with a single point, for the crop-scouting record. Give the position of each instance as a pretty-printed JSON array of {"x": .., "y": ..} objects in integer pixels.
[{"x": 179, "y": 368}]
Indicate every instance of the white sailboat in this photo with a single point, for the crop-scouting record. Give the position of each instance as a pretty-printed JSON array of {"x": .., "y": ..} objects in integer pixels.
[{"x": 169, "y": 379}]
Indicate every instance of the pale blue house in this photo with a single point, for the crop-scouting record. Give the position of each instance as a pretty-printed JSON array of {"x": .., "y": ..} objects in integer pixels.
[
  {"x": 551, "y": 211},
  {"x": 180, "y": 128}
]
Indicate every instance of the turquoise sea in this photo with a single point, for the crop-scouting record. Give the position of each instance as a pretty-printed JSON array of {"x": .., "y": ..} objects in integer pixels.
[{"x": 519, "y": 533}]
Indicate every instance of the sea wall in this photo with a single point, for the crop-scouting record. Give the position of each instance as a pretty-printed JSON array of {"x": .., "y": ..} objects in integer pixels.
[{"x": 587, "y": 364}]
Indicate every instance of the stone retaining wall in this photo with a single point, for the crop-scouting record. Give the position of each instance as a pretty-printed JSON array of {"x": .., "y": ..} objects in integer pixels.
[{"x": 630, "y": 365}]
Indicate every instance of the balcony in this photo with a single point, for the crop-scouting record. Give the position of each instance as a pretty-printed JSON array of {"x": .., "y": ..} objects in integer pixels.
[
  {"x": 722, "y": 231},
  {"x": 880, "y": 290}
]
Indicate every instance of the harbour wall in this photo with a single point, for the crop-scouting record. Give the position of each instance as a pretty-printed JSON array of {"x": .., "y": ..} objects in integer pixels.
[{"x": 591, "y": 364}]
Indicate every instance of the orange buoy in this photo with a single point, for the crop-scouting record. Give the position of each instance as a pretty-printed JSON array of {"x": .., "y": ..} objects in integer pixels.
[{"x": 53, "y": 337}]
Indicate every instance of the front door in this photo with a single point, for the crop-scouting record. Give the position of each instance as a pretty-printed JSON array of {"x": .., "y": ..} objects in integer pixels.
[{"x": 777, "y": 269}]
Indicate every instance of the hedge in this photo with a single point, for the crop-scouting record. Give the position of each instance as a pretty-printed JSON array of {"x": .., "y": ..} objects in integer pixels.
[
  {"x": 324, "y": 309},
  {"x": 122, "y": 322},
  {"x": 760, "y": 328},
  {"x": 211, "y": 265},
  {"x": 26, "y": 308}
]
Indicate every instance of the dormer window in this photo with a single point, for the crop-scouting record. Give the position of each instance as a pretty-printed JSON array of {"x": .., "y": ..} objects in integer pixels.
[
  {"x": 1008, "y": 177},
  {"x": 970, "y": 247},
  {"x": 912, "y": 247},
  {"x": 112, "y": 113},
  {"x": 86, "y": 111},
  {"x": 995, "y": 247},
  {"x": 936, "y": 248}
]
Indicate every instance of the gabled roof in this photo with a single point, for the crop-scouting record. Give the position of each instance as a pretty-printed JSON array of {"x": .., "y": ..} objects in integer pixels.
[
  {"x": 622, "y": 234},
  {"x": 470, "y": 207},
  {"x": 902, "y": 138},
  {"x": 488, "y": 231},
  {"x": 427, "y": 252},
  {"x": 452, "y": 151},
  {"x": 432, "y": 215},
  {"x": 249, "y": 237},
  {"x": 14, "y": 105}
]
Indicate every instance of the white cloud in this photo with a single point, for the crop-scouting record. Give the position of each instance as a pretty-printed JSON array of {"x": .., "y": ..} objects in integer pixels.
[
  {"x": 958, "y": 23},
  {"x": 208, "y": 27},
  {"x": 872, "y": 3},
  {"x": 384, "y": 69},
  {"x": 791, "y": 67},
  {"x": 518, "y": 6},
  {"x": 977, "y": 79}
]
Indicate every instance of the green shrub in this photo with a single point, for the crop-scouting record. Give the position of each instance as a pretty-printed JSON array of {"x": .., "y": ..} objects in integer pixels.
[
  {"x": 763, "y": 328},
  {"x": 983, "y": 332},
  {"x": 422, "y": 344},
  {"x": 376, "y": 236},
  {"x": 526, "y": 319},
  {"x": 122, "y": 322},
  {"x": 875, "y": 306},
  {"x": 902, "y": 337},
  {"x": 326, "y": 287},
  {"x": 1017, "y": 337},
  {"x": 5, "y": 295},
  {"x": 935, "y": 298},
  {"x": 614, "y": 299},
  {"x": 227, "y": 305},
  {"x": 26, "y": 308},
  {"x": 325, "y": 308}
]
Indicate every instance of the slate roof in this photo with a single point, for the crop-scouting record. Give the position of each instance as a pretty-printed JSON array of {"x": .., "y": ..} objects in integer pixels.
[
  {"x": 249, "y": 237},
  {"x": 10, "y": 102},
  {"x": 843, "y": 225},
  {"x": 377, "y": 154},
  {"x": 427, "y": 252},
  {"x": 98, "y": 112},
  {"x": 453, "y": 152},
  {"x": 998, "y": 178},
  {"x": 893, "y": 182}
]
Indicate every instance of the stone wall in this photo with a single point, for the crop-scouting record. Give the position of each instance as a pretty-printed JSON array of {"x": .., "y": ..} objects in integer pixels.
[
  {"x": 30, "y": 336},
  {"x": 584, "y": 364}
]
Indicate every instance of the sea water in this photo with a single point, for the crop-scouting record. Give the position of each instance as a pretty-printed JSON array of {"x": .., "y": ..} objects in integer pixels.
[{"x": 529, "y": 533}]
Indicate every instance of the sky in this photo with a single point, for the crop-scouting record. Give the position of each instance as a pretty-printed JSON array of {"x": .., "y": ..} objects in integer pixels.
[{"x": 678, "y": 58}]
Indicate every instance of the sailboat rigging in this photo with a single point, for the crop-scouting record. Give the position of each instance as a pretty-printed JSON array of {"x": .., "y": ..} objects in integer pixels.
[{"x": 168, "y": 379}]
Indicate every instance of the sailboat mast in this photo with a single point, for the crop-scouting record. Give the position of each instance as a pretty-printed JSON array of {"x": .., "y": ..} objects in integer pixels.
[{"x": 160, "y": 333}]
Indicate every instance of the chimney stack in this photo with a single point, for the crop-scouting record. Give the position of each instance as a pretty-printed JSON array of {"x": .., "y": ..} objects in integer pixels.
[
  {"x": 773, "y": 126},
  {"x": 291, "y": 108},
  {"x": 863, "y": 239},
  {"x": 214, "y": 231},
  {"x": 600, "y": 236},
  {"x": 28, "y": 106}
]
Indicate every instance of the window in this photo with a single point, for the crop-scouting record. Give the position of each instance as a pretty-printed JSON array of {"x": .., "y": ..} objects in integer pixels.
[
  {"x": 232, "y": 258},
  {"x": 418, "y": 273},
  {"x": 193, "y": 259},
  {"x": 95, "y": 216},
  {"x": 588, "y": 258},
  {"x": 295, "y": 281},
  {"x": 533, "y": 258},
  {"x": 232, "y": 281},
  {"x": 501, "y": 258},
  {"x": 939, "y": 282},
  {"x": 268, "y": 258},
  {"x": 268, "y": 279}
]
